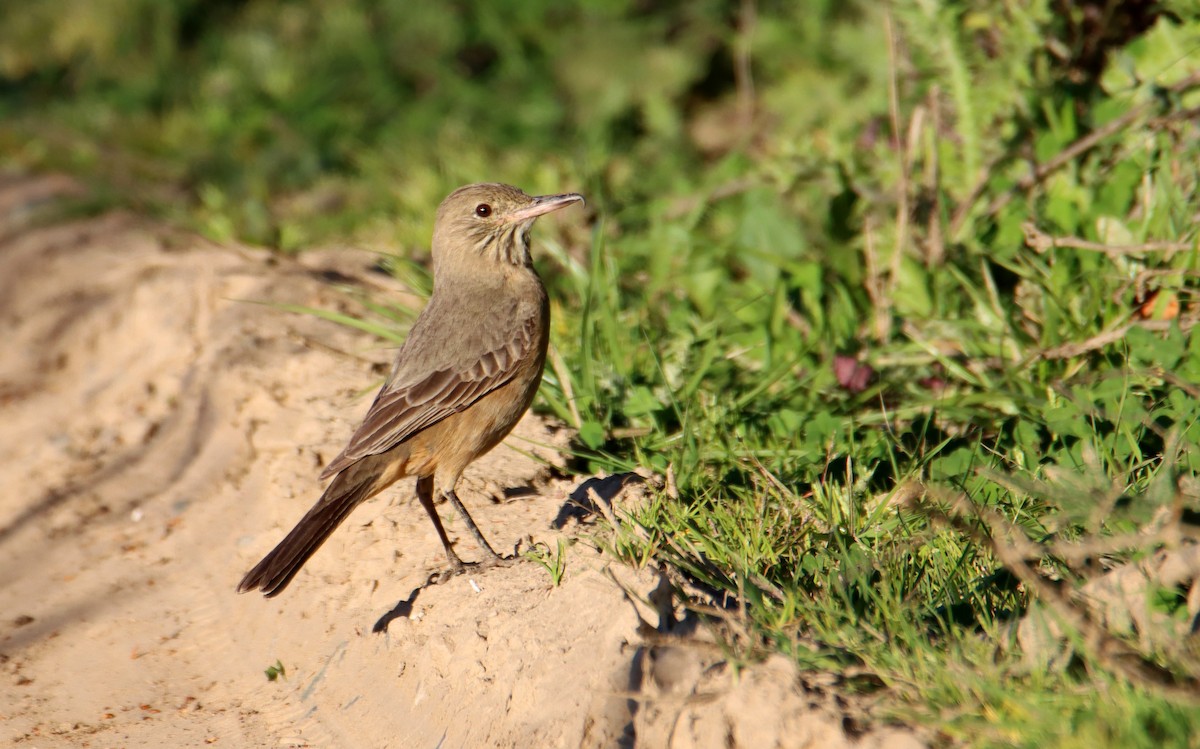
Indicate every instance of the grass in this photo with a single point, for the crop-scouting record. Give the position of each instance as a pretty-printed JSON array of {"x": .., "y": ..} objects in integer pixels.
[
  {"x": 553, "y": 561},
  {"x": 901, "y": 296}
]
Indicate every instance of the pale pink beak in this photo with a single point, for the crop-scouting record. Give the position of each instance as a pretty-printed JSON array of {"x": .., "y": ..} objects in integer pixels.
[{"x": 543, "y": 204}]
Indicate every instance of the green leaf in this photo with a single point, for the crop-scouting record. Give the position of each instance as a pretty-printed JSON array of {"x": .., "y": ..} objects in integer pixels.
[
  {"x": 912, "y": 295},
  {"x": 592, "y": 434}
]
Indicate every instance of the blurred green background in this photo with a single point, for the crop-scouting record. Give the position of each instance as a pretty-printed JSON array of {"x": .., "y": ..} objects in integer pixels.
[{"x": 838, "y": 256}]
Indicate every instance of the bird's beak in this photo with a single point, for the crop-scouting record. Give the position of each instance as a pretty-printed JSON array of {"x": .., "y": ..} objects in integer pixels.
[{"x": 543, "y": 204}]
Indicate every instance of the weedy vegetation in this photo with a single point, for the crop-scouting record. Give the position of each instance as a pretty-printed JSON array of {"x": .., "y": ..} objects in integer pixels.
[
  {"x": 901, "y": 294},
  {"x": 275, "y": 671},
  {"x": 554, "y": 561}
]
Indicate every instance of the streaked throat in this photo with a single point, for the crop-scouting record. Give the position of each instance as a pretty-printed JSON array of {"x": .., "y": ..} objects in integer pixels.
[{"x": 510, "y": 244}]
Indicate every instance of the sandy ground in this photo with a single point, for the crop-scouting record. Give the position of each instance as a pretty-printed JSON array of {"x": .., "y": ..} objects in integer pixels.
[{"x": 161, "y": 431}]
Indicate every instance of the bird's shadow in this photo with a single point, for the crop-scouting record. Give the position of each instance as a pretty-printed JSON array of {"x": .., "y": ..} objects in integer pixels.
[
  {"x": 401, "y": 610},
  {"x": 582, "y": 505}
]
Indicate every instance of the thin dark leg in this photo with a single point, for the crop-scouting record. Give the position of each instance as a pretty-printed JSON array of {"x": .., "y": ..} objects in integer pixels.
[
  {"x": 466, "y": 516},
  {"x": 425, "y": 495}
]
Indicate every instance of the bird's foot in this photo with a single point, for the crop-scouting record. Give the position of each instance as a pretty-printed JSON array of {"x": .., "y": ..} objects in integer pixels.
[
  {"x": 459, "y": 567},
  {"x": 498, "y": 561}
]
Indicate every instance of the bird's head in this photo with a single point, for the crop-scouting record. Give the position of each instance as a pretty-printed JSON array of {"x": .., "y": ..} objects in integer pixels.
[{"x": 489, "y": 221}]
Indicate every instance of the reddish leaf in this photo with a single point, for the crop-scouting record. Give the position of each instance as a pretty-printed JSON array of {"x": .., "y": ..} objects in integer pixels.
[{"x": 852, "y": 374}]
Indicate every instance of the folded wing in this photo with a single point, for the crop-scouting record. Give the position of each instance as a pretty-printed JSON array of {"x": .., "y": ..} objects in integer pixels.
[{"x": 402, "y": 409}]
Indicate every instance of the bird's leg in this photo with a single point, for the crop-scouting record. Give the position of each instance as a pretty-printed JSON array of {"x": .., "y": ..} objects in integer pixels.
[
  {"x": 494, "y": 558},
  {"x": 425, "y": 495}
]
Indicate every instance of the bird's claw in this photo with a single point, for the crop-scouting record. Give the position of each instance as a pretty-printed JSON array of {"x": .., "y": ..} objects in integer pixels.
[{"x": 459, "y": 567}]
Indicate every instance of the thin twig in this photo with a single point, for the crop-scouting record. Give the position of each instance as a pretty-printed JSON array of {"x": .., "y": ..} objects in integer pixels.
[
  {"x": 1062, "y": 158},
  {"x": 797, "y": 321},
  {"x": 1012, "y": 549},
  {"x": 1177, "y": 381},
  {"x": 671, "y": 489},
  {"x": 1040, "y": 241},
  {"x": 881, "y": 316},
  {"x": 1074, "y": 552},
  {"x": 564, "y": 379},
  {"x": 1100, "y": 340},
  {"x": 1188, "y": 115}
]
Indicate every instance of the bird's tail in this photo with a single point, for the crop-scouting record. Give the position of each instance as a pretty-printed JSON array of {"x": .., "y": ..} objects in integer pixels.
[{"x": 277, "y": 569}]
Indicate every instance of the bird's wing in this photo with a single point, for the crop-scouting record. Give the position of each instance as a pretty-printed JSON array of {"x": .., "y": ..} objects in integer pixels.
[{"x": 403, "y": 409}]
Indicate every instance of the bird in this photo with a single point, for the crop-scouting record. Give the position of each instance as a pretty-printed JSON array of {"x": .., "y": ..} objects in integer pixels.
[{"x": 463, "y": 377}]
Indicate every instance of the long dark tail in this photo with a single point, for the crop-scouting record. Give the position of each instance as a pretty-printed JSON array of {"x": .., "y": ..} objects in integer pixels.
[{"x": 277, "y": 569}]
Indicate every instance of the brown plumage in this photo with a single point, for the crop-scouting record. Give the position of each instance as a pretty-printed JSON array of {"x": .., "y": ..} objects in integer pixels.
[{"x": 462, "y": 379}]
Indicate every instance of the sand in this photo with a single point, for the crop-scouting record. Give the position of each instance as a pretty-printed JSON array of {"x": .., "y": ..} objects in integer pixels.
[{"x": 164, "y": 419}]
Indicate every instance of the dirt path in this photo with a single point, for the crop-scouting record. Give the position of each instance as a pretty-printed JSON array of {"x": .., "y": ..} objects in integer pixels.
[{"x": 161, "y": 432}]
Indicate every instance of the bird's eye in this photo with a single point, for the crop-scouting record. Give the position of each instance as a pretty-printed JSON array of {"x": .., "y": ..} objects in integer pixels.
[{"x": 483, "y": 210}]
